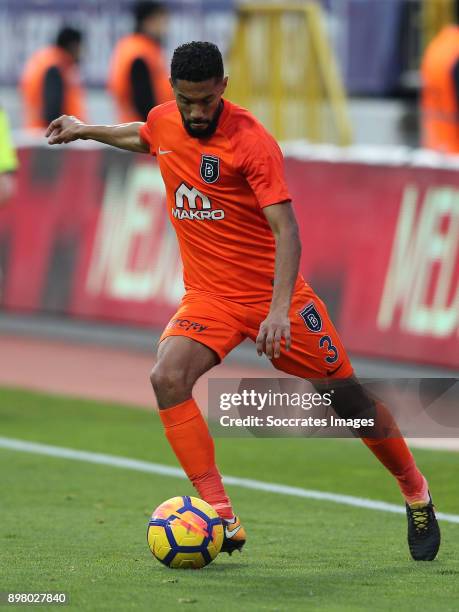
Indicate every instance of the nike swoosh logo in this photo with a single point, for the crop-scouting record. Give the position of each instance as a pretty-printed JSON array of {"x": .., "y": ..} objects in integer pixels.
[
  {"x": 162, "y": 152},
  {"x": 229, "y": 533}
]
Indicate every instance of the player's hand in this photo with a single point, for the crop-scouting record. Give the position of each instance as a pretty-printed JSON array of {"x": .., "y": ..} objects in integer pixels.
[
  {"x": 65, "y": 128},
  {"x": 272, "y": 330}
]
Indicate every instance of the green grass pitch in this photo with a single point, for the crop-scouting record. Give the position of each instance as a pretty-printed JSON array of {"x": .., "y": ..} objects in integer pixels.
[{"x": 81, "y": 528}]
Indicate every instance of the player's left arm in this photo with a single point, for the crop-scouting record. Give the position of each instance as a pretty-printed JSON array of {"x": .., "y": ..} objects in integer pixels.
[{"x": 276, "y": 326}]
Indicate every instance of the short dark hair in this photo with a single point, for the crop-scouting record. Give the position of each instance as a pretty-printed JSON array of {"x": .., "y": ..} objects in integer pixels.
[
  {"x": 68, "y": 36},
  {"x": 146, "y": 8},
  {"x": 196, "y": 62}
]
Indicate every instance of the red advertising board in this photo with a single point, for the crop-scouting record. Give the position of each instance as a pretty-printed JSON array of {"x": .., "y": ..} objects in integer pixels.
[
  {"x": 88, "y": 236},
  {"x": 385, "y": 241}
]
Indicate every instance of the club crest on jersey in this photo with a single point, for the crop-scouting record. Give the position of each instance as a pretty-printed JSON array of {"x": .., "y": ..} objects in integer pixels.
[
  {"x": 311, "y": 318},
  {"x": 210, "y": 168}
]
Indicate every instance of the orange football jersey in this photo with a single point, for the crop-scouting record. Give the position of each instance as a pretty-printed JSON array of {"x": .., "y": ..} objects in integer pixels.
[{"x": 216, "y": 188}]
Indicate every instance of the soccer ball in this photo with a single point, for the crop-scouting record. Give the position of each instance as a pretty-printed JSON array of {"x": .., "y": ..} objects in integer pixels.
[{"x": 185, "y": 532}]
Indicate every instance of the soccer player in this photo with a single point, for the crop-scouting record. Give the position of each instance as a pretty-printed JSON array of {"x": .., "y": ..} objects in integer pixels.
[{"x": 230, "y": 206}]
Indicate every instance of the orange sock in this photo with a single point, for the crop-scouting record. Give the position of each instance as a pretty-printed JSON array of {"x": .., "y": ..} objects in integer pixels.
[
  {"x": 390, "y": 448},
  {"x": 193, "y": 446},
  {"x": 384, "y": 439},
  {"x": 395, "y": 455}
]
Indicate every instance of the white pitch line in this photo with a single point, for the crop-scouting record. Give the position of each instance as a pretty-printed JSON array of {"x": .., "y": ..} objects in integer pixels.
[{"x": 165, "y": 470}]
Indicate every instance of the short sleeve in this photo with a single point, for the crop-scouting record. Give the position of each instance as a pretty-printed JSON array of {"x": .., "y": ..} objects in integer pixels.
[
  {"x": 262, "y": 164},
  {"x": 146, "y": 131}
]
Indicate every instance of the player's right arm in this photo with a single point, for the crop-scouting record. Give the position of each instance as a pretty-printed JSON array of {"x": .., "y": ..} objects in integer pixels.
[{"x": 123, "y": 136}]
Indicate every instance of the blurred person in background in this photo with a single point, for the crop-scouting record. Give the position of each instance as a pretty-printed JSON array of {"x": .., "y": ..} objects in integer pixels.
[
  {"x": 440, "y": 90},
  {"x": 8, "y": 160},
  {"x": 139, "y": 77},
  {"x": 50, "y": 82}
]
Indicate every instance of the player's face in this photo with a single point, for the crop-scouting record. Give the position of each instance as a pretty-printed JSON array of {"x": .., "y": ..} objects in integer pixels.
[{"x": 199, "y": 105}]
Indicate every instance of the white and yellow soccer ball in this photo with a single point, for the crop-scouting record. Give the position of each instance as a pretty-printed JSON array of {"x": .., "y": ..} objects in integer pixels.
[{"x": 185, "y": 533}]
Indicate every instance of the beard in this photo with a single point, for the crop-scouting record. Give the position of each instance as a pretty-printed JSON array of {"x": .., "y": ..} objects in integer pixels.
[{"x": 208, "y": 127}]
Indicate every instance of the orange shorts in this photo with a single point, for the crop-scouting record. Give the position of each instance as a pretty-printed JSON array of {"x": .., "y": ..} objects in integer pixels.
[{"x": 316, "y": 350}]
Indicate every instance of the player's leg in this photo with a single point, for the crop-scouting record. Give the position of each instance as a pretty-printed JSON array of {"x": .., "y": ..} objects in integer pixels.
[
  {"x": 318, "y": 353},
  {"x": 190, "y": 346},
  {"x": 181, "y": 361},
  {"x": 352, "y": 400}
]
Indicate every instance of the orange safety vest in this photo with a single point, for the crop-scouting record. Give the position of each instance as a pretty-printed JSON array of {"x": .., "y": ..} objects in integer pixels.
[
  {"x": 127, "y": 50},
  {"x": 32, "y": 83},
  {"x": 439, "y": 104}
]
